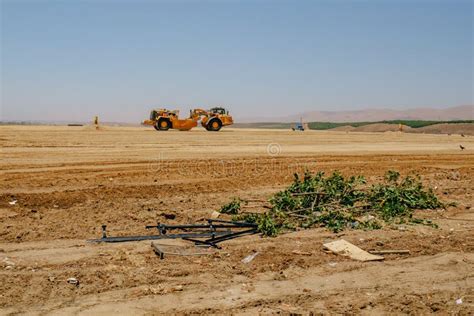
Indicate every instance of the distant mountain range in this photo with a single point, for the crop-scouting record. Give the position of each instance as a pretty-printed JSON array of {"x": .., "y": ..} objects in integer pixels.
[{"x": 463, "y": 112}]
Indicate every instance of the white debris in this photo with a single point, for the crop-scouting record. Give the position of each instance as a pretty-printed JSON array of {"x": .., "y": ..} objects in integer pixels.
[
  {"x": 345, "y": 248},
  {"x": 73, "y": 281},
  {"x": 12, "y": 202},
  {"x": 459, "y": 301},
  {"x": 368, "y": 218},
  {"x": 8, "y": 262},
  {"x": 454, "y": 175},
  {"x": 249, "y": 257}
]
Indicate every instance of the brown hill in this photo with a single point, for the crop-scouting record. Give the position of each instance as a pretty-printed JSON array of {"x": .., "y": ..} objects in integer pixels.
[
  {"x": 380, "y": 127},
  {"x": 463, "y": 112},
  {"x": 458, "y": 128},
  {"x": 461, "y": 128}
]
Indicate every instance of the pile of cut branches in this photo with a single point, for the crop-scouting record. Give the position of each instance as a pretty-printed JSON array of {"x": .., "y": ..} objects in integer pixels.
[{"x": 338, "y": 203}]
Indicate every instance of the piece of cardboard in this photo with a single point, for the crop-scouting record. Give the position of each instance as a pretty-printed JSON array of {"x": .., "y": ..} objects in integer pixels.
[{"x": 345, "y": 248}]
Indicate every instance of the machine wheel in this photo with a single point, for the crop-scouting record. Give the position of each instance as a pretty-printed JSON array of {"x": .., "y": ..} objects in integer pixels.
[
  {"x": 163, "y": 124},
  {"x": 214, "y": 125}
]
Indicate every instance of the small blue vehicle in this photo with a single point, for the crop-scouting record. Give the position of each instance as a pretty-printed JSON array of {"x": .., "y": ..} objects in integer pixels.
[{"x": 299, "y": 126}]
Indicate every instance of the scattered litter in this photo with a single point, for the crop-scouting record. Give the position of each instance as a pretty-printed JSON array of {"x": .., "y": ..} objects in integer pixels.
[
  {"x": 215, "y": 214},
  {"x": 249, "y": 258},
  {"x": 9, "y": 264},
  {"x": 332, "y": 264},
  {"x": 304, "y": 253},
  {"x": 6, "y": 259},
  {"x": 51, "y": 279},
  {"x": 390, "y": 252},
  {"x": 12, "y": 202},
  {"x": 73, "y": 281},
  {"x": 345, "y": 248},
  {"x": 111, "y": 179},
  {"x": 459, "y": 301}
]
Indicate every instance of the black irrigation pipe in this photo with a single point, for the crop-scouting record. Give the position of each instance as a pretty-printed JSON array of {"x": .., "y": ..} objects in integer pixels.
[
  {"x": 212, "y": 234},
  {"x": 155, "y": 237}
]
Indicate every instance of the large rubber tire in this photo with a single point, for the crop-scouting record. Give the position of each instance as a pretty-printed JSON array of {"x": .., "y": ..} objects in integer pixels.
[
  {"x": 163, "y": 124},
  {"x": 214, "y": 125}
]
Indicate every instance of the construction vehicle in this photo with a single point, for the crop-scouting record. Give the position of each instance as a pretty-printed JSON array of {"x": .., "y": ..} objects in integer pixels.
[
  {"x": 300, "y": 126},
  {"x": 215, "y": 118},
  {"x": 211, "y": 120},
  {"x": 163, "y": 120}
]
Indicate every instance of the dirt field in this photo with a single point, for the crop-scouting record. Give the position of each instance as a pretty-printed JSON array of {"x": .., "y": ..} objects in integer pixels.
[{"x": 68, "y": 181}]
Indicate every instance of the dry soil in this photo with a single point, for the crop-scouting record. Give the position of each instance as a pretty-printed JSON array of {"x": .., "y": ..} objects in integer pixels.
[{"x": 68, "y": 181}]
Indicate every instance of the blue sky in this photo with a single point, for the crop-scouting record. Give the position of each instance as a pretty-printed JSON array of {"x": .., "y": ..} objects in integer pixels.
[{"x": 70, "y": 60}]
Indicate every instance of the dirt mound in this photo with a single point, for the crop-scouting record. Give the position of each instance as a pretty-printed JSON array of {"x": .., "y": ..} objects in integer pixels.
[
  {"x": 93, "y": 128},
  {"x": 345, "y": 128},
  {"x": 381, "y": 127},
  {"x": 460, "y": 128}
]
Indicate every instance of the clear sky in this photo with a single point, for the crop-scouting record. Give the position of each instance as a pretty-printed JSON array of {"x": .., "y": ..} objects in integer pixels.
[{"x": 70, "y": 60}]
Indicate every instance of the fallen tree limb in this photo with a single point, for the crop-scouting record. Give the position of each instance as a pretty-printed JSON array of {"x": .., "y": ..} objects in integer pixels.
[{"x": 390, "y": 252}]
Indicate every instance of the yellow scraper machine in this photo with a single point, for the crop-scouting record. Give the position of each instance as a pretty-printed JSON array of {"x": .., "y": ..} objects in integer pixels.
[{"x": 212, "y": 120}]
